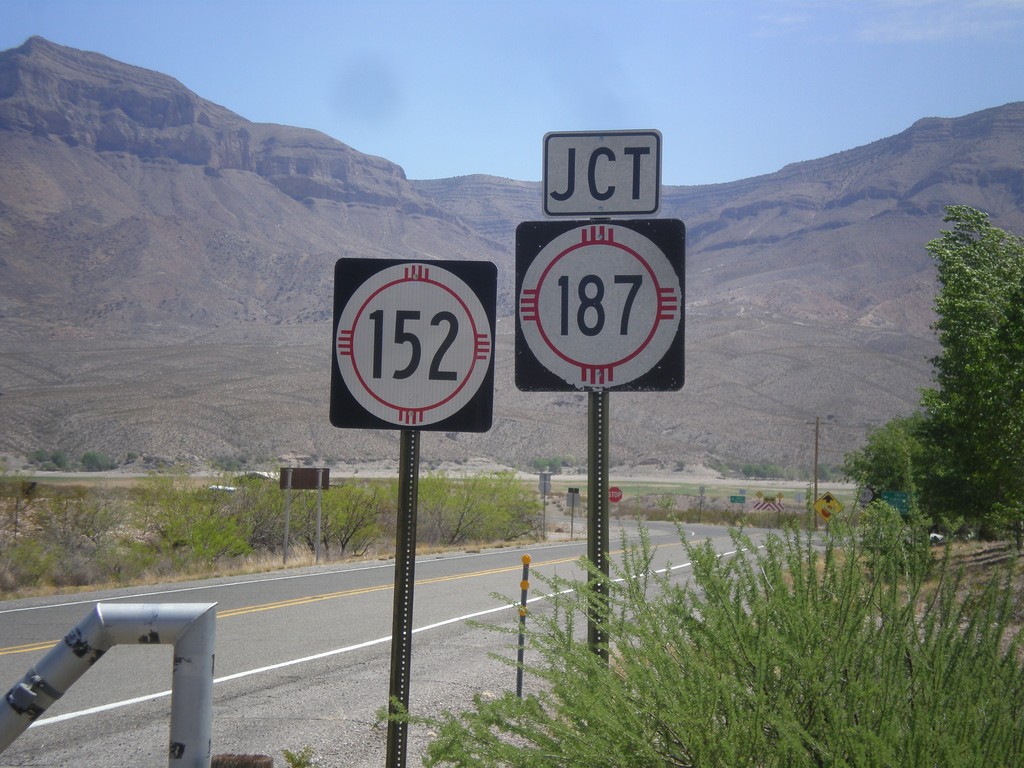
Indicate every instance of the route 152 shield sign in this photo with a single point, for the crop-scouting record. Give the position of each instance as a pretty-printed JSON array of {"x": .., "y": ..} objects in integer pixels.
[{"x": 413, "y": 344}]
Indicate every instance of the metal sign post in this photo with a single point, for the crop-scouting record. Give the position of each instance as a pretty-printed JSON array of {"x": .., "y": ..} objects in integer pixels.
[
  {"x": 287, "y": 479},
  {"x": 573, "y": 499},
  {"x": 405, "y": 577},
  {"x": 524, "y": 587},
  {"x": 307, "y": 479},
  {"x": 319, "y": 497},
  {"x": 597, "y": 533},
  {"x": 545, "y": 489},
  {"x": 599, "y": 303}
]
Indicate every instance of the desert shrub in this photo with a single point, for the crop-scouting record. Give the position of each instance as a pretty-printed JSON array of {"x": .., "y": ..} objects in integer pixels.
[
  {"x": 25, "y": 562},
  {"x": 486, "y": 507},
  {"x": 94, "y": 461},
  {"x": 190, "y": 526},
  {"x": 229, "y": 463},
  {"x": 49, "y": 460},
  {"x": 789, "y": 655},
  {"x": 66, "y": 537},
  {"x": 352, "y": 516}
]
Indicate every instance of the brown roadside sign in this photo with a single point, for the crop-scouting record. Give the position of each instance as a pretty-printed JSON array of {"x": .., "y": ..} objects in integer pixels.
[{"x": 305, "y": 478}]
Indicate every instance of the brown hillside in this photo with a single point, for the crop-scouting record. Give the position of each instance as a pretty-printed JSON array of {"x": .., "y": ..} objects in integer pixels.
[{"x": 165, "y": 280}]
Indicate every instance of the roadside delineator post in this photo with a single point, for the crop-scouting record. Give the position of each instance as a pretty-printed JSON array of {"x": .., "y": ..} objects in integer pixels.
[{"x": 524, "y": 585}]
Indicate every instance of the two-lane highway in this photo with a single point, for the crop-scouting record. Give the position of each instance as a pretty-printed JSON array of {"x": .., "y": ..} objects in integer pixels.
[{"x": 302, "y": 655}]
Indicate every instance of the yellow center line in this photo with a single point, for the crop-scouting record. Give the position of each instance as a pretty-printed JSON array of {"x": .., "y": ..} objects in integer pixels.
[
  {"x": 228, "y": 613},
  {"x": 45, "y": 645},
  {"x": 379, "y": 588}
]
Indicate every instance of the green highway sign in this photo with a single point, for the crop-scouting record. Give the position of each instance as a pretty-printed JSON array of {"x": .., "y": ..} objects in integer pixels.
[{"x": 898, "y": 500}]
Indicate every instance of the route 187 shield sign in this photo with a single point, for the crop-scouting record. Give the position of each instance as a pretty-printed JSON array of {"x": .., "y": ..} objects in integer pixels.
[{"x": 599, "y": 305}]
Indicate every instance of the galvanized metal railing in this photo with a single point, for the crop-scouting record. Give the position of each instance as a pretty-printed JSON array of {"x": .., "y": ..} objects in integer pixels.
[{"x": 189, "y": 627}]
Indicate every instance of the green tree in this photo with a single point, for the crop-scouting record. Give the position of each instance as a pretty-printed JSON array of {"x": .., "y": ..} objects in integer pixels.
[
  {"x": 352, "y": 513},
  {"x": 517, "y": 511},
  {"x": 258, "y": 506},
  {"x": 975, "y": 414},
  {"x": 94, "y": 461},
  {"x": 551, "y": 464},
  {"x": 667, "y": 504},
  {"x": 893, "y": 459},
  {"x": 190, "y": 526},
  {"x": 50, "y": 460},
  {"x": 493, "y": 506}
]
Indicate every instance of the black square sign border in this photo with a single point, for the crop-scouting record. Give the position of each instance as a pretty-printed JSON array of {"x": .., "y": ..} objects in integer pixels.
[
  {"x": 481, "y": 277},
  {"x": 669, "y": 373}
]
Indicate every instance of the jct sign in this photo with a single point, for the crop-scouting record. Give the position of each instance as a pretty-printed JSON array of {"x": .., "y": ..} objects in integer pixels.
[
  {"x": 599, "y": 305},
  {"x": 610, "y": 173}
]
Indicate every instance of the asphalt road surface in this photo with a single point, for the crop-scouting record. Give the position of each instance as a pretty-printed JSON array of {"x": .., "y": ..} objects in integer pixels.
[{"x": 302, "y": 656}]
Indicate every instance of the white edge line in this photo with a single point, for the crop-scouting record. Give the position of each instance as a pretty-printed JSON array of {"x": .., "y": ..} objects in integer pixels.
[
  {"x": 326, "y": 654},
  {"x": 270, "y": 668},
  {"x": 420, "y": 561}
]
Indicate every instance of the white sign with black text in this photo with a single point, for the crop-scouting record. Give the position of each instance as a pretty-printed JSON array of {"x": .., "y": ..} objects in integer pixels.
[{"x": 602, "y": 173}]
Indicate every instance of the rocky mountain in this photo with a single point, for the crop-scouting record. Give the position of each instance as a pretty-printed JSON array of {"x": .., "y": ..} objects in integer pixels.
[
  {"x": 203, "y": 218},
  {"x": 166, "y": 281}
]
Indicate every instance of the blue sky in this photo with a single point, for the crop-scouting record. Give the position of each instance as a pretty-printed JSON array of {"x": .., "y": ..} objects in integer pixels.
[{"x": 451, "y": 87}]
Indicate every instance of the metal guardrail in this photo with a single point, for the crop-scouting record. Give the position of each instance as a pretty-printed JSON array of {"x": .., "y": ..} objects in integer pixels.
[{"x": 189, "y": 627}]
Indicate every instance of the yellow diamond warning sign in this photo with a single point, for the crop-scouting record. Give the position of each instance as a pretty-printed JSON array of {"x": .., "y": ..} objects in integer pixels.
[{"x": 827, "y": 505}]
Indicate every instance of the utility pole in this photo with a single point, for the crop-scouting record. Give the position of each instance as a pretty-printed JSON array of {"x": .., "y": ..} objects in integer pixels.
[{"x": 816, "y": 426}]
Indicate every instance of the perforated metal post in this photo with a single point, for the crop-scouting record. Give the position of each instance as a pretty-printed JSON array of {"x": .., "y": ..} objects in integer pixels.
[
  {"x": 287, "y": 511},
  {"x": 597, "y": 533},
  {"x": 405, "y": 577},
  {"x": 319, "y": 513}
]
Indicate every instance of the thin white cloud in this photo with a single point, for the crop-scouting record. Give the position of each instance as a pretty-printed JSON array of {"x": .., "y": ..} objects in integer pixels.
[
  {"x": 892, "y": 21},
  {"x": 896, "y": 21}
]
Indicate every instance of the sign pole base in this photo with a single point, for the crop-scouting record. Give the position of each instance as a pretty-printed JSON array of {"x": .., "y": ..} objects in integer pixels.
[{"x": 405, "y": 577}]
